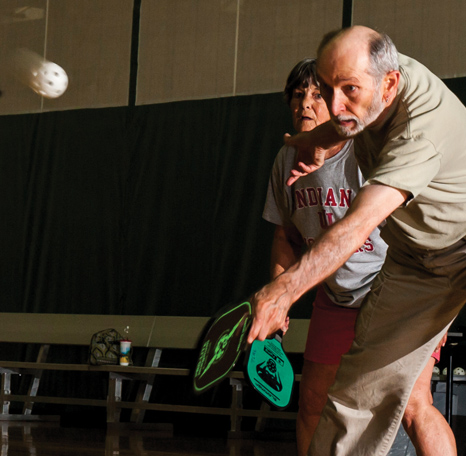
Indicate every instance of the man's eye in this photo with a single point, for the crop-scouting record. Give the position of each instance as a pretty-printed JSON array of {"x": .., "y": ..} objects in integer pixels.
[{"x": 351, "y": 88}]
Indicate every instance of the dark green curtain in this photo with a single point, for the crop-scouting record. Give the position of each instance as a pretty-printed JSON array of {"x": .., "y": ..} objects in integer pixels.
[
  {"x": 146, "y": 210},
  {"x": 62, "y": 186},
  {"x": 199, "y": 175}
]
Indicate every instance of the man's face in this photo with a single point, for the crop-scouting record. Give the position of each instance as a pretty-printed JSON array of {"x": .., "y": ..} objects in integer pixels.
[
  {"x": 353, "y": 98},
  {"x": 308, "y": 108}
]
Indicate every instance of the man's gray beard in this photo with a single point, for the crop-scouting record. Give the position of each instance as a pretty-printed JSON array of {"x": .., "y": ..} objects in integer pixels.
[{"x": 374, "y": 111}]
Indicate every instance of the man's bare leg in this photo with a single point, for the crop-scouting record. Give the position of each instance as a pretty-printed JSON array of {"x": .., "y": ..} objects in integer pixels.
[
  {"x": 315, "y": 381},
  {"x": 427, "y": 428}
]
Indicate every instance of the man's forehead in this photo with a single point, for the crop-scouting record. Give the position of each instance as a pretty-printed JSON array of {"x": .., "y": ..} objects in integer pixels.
[
  {"x": 338, "y": 66},
  {"x": 341, "y": 72}
]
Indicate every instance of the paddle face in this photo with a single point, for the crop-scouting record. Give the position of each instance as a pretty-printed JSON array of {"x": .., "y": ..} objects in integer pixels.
[
  {"x": 270, "y": 372},
  {"x": 222, "y": 345}
]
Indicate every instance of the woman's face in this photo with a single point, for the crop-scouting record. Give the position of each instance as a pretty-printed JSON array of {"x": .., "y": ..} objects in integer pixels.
[{"x": 308, "y": 108}]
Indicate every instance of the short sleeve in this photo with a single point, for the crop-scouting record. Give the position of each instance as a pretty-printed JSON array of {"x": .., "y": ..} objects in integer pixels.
[
  {"x": 278, "y": 204},
  {"x": 408, "y": 165}
]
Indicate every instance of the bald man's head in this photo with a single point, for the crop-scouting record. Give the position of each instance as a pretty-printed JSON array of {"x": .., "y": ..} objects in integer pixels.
[
  {"x": 382, "y": 53},
  {"x": 358, "y": 73}
]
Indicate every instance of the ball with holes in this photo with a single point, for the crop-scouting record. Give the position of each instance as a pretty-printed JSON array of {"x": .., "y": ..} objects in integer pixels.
[{"x": 49, "y": 80}]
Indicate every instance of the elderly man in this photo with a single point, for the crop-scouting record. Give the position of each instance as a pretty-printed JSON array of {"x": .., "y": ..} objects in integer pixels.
[{"x": 410, "y": 142}]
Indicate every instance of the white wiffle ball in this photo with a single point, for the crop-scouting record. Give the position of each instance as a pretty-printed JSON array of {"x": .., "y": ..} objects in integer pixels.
[
  {"x": 436, "y": 370},
  {"x": 456, "y": 371},
  {"x": 49, "y": 80}
]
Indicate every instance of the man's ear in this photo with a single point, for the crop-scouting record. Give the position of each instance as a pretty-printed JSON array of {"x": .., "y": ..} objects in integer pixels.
[{"x": 390, "y": 84}]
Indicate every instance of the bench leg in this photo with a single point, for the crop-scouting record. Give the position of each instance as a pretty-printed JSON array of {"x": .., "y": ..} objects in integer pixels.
[
  {"x": 35, "y": 381},
  {"x": 145, "y": 386},
  {"x": 260, "y": 422},
  {"x": 114, "y": 396},
  {"x": 32, "y": 392},
  {"x": 236, "y": 404},
  {"x": 112, "y": 443},
  {"x": 6, "y": 389}
]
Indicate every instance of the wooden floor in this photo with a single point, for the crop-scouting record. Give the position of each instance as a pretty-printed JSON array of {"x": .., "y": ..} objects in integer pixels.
[
  {"x": 86, "y": 439},
  {"x": 51, "y": 439}
]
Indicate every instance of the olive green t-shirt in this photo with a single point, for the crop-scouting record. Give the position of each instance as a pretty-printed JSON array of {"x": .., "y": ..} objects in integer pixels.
[{"x": 420, "y": 148}]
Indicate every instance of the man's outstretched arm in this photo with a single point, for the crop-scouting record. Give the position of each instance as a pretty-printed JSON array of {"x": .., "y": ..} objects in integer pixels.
[{"x": 271, "y": 304}]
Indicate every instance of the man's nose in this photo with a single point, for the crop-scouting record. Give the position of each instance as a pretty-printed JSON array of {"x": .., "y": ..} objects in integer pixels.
[{"x": 337, "y": 105}]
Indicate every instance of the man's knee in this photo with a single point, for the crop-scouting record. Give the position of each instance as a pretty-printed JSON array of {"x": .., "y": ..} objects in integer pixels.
[{"x": 421, "y": 396}]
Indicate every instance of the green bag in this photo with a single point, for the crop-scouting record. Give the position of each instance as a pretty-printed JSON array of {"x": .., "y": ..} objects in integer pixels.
[{"x": 105, "y": 347}]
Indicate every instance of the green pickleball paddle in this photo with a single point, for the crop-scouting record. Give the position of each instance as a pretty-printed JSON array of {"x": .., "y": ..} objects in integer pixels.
[
  {"x": 270, "y": 372},
  {"x": 221, "y": 346}
]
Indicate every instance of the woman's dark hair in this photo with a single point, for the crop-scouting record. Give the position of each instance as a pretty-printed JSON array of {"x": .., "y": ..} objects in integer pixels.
[{"x": 302, "y": 75}]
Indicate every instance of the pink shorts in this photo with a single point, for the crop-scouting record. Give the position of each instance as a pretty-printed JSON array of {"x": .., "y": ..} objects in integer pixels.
[{"x": 331, "y": 331}]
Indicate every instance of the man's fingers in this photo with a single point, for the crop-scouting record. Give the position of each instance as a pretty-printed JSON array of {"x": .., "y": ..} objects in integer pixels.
[
  {"x": 291, "y": 180},
  {"x": 286, "y": 325},
  {"x": 303, "y": 170},
  {"x": 258, "y": 331},
  {"x": 254, "y": 331},
  {"x": 270, "y": 307},
  {"x": 294, "y": 176},
  {"x": 308, "y": 168}
]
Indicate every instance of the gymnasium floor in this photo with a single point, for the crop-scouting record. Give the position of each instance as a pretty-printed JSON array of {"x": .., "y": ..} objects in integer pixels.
[
  {"x": 51, "y": 439},
  {"x": 85, "y": 439}
]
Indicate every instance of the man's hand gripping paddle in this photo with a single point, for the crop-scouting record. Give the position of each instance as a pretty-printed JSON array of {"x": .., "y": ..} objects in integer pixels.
[
  {"x": 270, "y": 372},
  {"x": 268, "y": 369}
]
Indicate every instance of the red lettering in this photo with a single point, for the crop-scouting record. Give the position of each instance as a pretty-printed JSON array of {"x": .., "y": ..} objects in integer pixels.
[
  {"x": 311, "y": 194},
  {"x": 345, "y": 197},
  {"x": 330, "y": 201},
  {"x": 322, "y": 220},
  {"x": 368, "y": 246},
  {"x": 319, "y": 193},
  {"x": 300, "y": 199}
]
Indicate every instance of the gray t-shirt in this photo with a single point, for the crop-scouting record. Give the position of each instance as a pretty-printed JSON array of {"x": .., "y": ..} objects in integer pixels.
[{"x": 316, "y": 201}]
